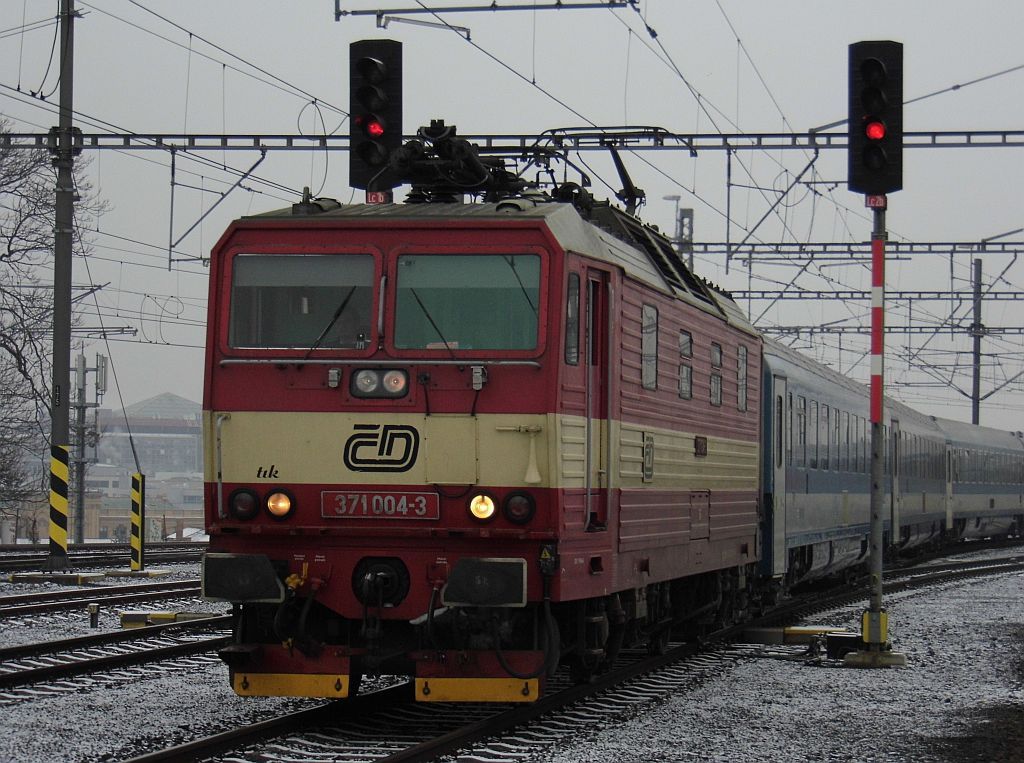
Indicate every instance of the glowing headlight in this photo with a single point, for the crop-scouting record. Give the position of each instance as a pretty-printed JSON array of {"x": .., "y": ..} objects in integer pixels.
[
  {"x": 366, "y": 382},
  {"x": 481, "y": 507},
  {"x": 279, "y": 504},
  {"x": 395, "y": 382}
]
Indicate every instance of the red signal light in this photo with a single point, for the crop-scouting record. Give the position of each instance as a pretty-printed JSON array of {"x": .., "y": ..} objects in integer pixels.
[
  {"x": 875, "y": 130},
  {"x": 374, "y": 129}
]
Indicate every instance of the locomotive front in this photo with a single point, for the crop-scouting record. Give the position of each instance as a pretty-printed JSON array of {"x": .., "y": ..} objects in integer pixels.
[{"x": 378, "y": 413}]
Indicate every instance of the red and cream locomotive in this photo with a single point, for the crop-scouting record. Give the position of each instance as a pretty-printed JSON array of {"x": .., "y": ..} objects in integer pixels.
[{"x": 469, "y": 442}]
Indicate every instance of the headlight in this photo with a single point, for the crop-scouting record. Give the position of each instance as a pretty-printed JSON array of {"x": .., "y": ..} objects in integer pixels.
[
  {"x": 519, "y": 508},
  {"x": 380, "y": 382},
  {"x": 365, "y": 382},
  {"x": 280, "y": 504},
  {"x": 395, "y": 382},
  {"x": 481, "y": 507},
  {"x": 243, "y": 504}
]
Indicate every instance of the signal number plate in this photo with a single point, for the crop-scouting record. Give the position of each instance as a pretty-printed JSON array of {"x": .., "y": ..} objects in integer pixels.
[{"x": 337, "y": 504}]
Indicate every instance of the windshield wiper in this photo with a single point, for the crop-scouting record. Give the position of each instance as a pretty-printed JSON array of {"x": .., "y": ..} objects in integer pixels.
[
  {"x": 334, "y": 319},
  {"x": 522, "y": 287},
  {"x": 432, "y": 322}
]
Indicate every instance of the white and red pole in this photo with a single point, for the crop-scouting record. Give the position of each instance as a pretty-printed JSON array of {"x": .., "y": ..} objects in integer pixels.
[{"x": 874, "y": 625}]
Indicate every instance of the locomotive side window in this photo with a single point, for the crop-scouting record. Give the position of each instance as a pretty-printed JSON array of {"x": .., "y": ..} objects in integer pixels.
[
  {"x": 301, "y": 301},
  {"x": 572, "y": 321},
  {"x": 467, "y": 302},
  {"x": 741, "y": 378},
  {"x": 685, "y": 381},
  {"x": 685, "y": 369},
  {"x": 685, "y": 344},
  {"x": 716, "y": 379},
  {"x": 649, "y": 347}
]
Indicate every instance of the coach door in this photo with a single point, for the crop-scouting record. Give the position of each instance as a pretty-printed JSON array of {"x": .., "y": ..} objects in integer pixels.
[
  {"x": 597, "y": 345},
  {"x": 896, "y": 470},
  {"x": 778, "y": 450},
  {"x": 949, "y": 488}
]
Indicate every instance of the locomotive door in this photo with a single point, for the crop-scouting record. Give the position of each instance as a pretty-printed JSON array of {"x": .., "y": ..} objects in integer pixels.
[
  {"x": 597, "y": 340},
  {"x": 780, "y": 440}
]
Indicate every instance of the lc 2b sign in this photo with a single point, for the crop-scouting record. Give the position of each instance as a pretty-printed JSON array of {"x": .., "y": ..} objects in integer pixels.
[{"x": 381, "y": 448}]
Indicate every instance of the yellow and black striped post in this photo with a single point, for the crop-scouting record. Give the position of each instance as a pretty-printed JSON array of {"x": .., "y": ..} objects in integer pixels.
[
  {"x": 58, "y": 559},
  {"x": 138, "y": 522}
]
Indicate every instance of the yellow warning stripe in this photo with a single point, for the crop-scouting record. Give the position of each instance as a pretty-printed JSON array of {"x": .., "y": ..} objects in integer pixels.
[
  {"x": 332, "y": 686},
  {"x": 477, "y": 689},
  {"x": 59, "y": 499}
]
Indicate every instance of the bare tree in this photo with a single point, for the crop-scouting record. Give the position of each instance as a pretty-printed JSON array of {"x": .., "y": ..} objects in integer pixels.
[{"x": 27, "y": 180}]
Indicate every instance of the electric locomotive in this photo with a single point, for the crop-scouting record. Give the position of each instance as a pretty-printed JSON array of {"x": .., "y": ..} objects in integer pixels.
[{"x": 467, "y": 443}]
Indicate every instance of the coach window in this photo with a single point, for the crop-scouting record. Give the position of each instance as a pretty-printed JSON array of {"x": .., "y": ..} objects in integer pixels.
[
  {"x": 572, "y": 321},
  {"x": 843, "y": 430},
  {"x": 741, "y": 378},
  {"x": 824, "y": 432},
  {"x": 812, "y": 431},
  {"x": 801, "y": 430},
  {"x": 789, "y": 429},
  {"x": 649, "y": 347},
  {"x": 301, "y": 301}
]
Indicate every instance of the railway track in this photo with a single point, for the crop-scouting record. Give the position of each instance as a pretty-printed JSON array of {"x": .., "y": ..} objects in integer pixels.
[
  {"x": 387, "y": 726},
  {"x": 20, "y": 559},
  {"x": 55, "y": 601},
  {"x": 53, "y": 661}
]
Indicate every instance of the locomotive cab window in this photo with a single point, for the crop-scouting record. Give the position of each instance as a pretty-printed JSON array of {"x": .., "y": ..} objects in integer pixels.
[
  {"x": 301, "y": 301},
  {"x": 467, "y": 302},
  {"x": 649, "y": 347}
]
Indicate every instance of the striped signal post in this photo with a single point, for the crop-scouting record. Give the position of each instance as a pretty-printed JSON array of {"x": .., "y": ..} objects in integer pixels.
[
  {"x": 59, "y": 459},
  {"x": 875, "y": 620},
  {"x": 875, "y": 630},
  {"x": 138, "y": 562}
]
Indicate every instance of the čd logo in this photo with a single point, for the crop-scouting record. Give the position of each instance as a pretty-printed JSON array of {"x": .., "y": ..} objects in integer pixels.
[{"x": 381, "y": 448}]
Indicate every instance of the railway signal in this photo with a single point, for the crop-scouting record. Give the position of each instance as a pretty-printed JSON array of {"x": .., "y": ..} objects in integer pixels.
[
  {"x": 875, "y": 120},
  {"x": 375, "y": 113}
]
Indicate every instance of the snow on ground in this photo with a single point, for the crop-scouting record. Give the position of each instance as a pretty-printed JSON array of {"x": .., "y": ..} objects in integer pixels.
[{"x": 961, "y": 699}]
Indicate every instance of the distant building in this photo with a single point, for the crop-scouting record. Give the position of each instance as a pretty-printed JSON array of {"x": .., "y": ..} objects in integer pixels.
[
  {"x": 167, "y": 430},
  {"x": 168, "y": 438}
]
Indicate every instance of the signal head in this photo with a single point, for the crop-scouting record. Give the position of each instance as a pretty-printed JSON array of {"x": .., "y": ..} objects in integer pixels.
[
  {"x": 875, "y": 117},
  {"x": 375, "y": 113}
]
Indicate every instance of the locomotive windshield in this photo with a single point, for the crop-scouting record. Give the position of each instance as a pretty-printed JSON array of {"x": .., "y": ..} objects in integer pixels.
[
  {"x": 467, "y": 302},
  {"x": 301, "y": 301}
]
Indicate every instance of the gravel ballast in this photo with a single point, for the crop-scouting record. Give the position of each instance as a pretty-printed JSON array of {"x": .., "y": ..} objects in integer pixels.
[{"x": 960, "y": 699}]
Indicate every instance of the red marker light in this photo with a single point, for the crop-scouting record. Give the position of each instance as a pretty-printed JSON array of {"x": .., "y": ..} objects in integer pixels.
[{"x": 875, "y": 130}]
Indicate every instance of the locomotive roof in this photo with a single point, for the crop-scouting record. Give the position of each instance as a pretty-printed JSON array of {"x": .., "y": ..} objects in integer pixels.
[{"x": 611, "y": 236}]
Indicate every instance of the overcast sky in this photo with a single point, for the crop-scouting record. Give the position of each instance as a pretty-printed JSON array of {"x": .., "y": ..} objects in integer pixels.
[{"x": 714, "y": 66}]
